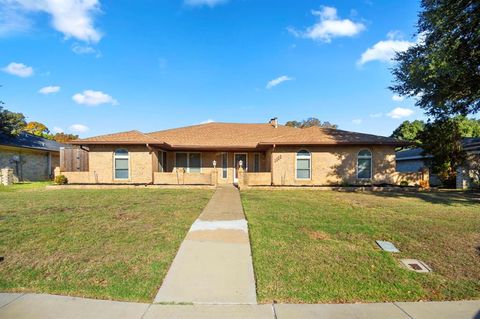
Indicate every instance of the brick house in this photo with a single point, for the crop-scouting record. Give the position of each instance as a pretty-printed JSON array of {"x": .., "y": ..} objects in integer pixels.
[
  {"x": 248, "y": 154},
  {"x": 31, "y": 157}
]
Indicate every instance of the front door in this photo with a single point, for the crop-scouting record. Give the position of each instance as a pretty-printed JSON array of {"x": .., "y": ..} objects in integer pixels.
[{"x": 239, "y": 158}]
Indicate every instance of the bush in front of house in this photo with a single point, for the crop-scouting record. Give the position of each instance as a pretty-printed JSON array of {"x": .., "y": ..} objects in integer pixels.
[
  {"x": 403, "y": 183},
  {"x": 60, "y": 180}
]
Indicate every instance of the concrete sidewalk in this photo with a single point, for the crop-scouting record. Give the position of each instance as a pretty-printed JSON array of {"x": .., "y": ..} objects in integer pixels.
[
  {"x": 214, "y": 262},
  {"x": 36, "y": 306}
]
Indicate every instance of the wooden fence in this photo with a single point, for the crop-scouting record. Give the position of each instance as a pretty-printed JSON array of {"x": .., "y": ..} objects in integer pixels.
[{"x": 73, "y": 159}]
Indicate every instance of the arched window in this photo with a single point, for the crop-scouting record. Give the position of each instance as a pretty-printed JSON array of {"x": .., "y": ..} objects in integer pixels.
[
  {"x": 121, "y": 164},
  {"x": 364, "y": 164},
  {"x": 303, "y": 164}
]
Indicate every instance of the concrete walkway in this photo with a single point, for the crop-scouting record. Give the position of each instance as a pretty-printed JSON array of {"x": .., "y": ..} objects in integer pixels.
[
  {"x": 33, "y": 306},
  {"x": 214, "y": 262}
]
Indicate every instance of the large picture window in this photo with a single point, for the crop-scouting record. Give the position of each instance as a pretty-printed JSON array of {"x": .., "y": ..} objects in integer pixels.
[
  {"x": 304, "y": 159},
  {"x": 191, "y": 162},
  {"x": 364, "y": 164},
  {"x": 121, "y": 164}
]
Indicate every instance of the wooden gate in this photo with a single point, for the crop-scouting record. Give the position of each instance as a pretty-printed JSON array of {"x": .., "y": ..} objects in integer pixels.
[{"x": 73, "y": 159}]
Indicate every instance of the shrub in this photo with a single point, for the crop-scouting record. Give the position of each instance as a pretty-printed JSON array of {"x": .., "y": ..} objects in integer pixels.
[
  {"x": 61, "y": 180},
  {"x": 403, "y": 183}
]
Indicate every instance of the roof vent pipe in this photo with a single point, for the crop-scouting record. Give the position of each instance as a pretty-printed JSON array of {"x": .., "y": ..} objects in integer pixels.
[{"x": 274, "y": 122}]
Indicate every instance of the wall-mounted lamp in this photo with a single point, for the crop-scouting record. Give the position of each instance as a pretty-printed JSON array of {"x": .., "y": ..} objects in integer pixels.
[{"x": 214, "y": 162}]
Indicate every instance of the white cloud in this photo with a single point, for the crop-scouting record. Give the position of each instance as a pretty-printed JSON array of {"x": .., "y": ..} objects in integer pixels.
[
  {"x": 73, "y": 18},
  {"x": 385, "y": 50},
  {"x": 208, "y": 3},
  {"x": 78, "y": 128},
  {"x": 85, "y": 49},
  {"x": 376, "y": 115},
  {"x": 398, "y": 98},
  {"x": 49, "y": 90},
  {"x": 90, "y": 97},
  {"x": 357, "y": 121},
  {"x": 207, "y": 121},
  {"x": 18, "y": 69},
  {"x": 277, "y": 81},
  {"x": 57, "y": 129},
  {"x": 399, "y": 112},
  {"x": 11, "y": 20},
  {"x": 329, "y": 26}
]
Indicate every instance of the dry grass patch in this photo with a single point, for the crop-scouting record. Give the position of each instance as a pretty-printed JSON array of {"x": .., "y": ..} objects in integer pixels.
[{"x": 319, "y": 246}]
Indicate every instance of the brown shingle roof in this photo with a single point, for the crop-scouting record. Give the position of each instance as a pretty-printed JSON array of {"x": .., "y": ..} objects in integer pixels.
[
  {"x": 240, "y": 136},
  {"x": 129, "y": 137}
]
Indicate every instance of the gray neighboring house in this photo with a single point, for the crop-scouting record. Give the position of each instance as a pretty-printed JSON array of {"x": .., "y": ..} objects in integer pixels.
[
  {"x": 32, "y": 158},
  {"x": 412, "y": 160}
]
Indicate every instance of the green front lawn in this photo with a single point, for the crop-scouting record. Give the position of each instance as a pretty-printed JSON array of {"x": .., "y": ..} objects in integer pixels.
[
  {"x": 109, "y": 244},
  {"x": 319, "y": 246}
]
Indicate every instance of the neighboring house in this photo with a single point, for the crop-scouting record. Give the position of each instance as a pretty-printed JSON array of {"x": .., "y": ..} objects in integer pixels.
[
  {"x": 412, "y": 160},
  {"x": 213, "y": 153},
  {"x": 31, "y": 157}
]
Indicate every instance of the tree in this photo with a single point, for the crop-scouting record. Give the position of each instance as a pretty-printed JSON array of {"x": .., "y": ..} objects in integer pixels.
[
  {"x": 442, "y": 139},
  {"x": 11, "y": 123},
  {"x": 63, "y": 138},
  {"x": 37, "y": 128},
  {"x": 311, "y": 122},
  {"x": 443, "y": 69},
  {"x": 409, "y": 131}
]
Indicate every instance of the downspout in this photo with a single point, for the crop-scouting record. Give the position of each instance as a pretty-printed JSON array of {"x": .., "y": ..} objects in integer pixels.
[{"x": 271, "y": 165}]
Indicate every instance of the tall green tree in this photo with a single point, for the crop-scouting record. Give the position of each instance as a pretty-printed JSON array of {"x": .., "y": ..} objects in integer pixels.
[
  {"x": 443, "y": 69},
  {"x": 11, "y": 123},
  {"x": 409, "y": 131},
  {"x": 311, "y": 122},
  {"x": 443, "y": 140}
]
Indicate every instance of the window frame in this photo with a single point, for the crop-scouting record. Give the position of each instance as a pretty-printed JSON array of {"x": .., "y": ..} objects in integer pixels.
[
  {"x": 256, "y": 169},
  {"x": 309, "y": 165},
  {"x": 115, "y": 157},
  {"x": 224, "y": 165},
  {"x": 370, "y": 157},
  {"x": 162, "y": 161},
  {"x": 187, "y": 169}
]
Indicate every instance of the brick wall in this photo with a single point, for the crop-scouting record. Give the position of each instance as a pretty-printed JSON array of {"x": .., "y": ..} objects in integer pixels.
[
  {"x": 332, "y": 165},
  {"x": 33, "y": 165}
]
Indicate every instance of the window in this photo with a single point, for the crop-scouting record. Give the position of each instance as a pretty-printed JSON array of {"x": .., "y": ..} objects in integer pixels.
[
  {"x": 364, "y": 164},
  {"x": 194, "y": 163},
  {"x": 162, "y": 161},
  {"x": 191, "y": 162},
  {"x": 303, "y": 164},
  {"x": 121, "y": 164},
  {"x": 224, "y": 165},
  {"x": 256, "y": 162}
]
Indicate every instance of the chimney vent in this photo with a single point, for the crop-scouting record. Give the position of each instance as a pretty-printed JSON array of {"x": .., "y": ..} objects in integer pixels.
[{"x": 274, "y": 122}]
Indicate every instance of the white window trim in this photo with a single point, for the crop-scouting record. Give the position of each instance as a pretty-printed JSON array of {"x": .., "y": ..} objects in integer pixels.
[
  {"x": 188, "y": 161},
  {"x": 224, "y": 168},
  {"x": 114, "y": 164},
  {"x": 371, "y": 164},
  {"x": 309, "y": 162},
  {"x": 259, "y": 162}
]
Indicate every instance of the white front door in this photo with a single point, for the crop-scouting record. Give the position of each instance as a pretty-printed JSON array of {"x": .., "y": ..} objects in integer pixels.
[{"x": 239, "y": 157}]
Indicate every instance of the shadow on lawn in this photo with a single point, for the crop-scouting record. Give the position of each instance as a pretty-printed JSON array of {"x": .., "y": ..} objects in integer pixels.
[{"x": 436, "y": 197}]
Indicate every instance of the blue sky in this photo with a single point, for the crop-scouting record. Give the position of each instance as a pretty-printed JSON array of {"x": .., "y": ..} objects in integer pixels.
[{"x": 93, "y": 67}]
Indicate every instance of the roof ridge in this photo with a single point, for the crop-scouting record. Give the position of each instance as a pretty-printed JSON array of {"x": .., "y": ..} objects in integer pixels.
[
  {"x": 205, "y": 124},
  {"x": 148, "y": 136}
]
